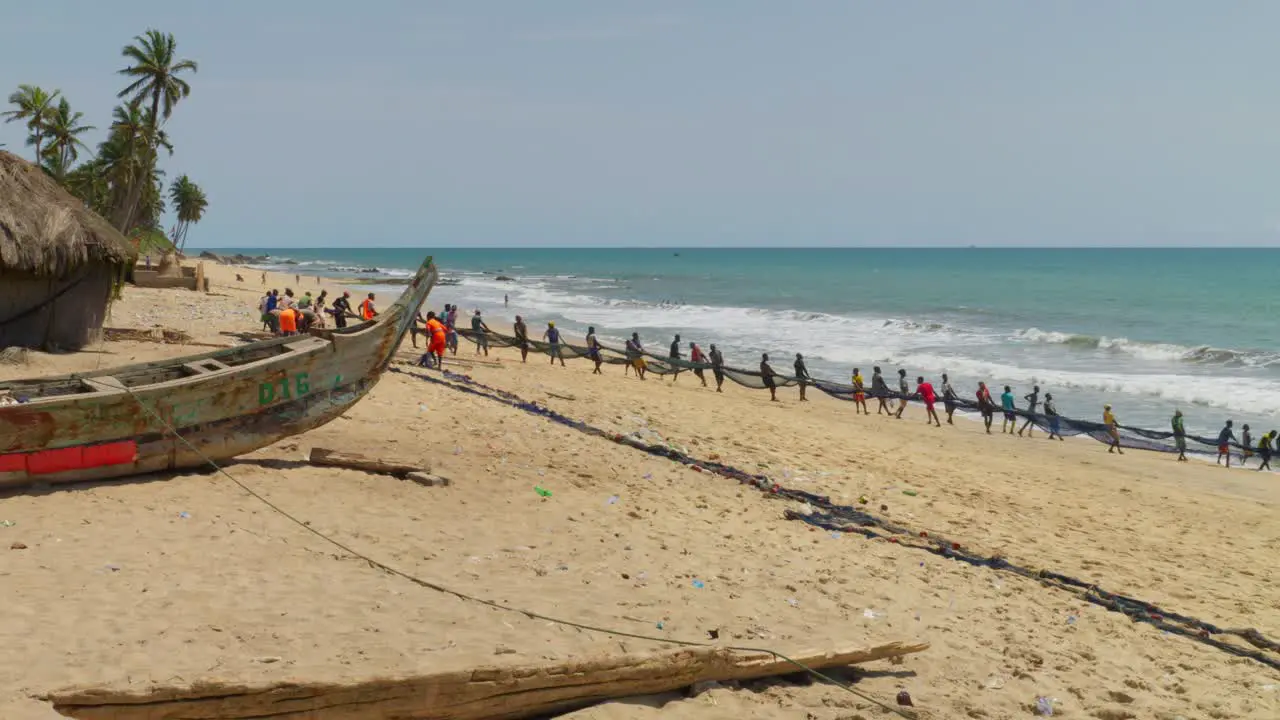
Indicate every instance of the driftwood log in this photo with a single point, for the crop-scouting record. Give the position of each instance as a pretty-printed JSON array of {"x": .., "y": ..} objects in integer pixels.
[
  {"x": 495, "y": 693},
  {"x": 254, "y": 336},
  {"x": 159, "y": 335},
  {"x": 356, "y": 461},
  {"x": 428, "y": 479}
]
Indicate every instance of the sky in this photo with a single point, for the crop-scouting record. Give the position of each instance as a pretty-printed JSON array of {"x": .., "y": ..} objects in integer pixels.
[{"x": 741, "y": 123}]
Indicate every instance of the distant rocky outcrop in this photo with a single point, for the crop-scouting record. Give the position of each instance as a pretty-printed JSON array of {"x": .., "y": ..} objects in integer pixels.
[
  {"x": 236, "y": 259},
  {"x": 504, "y": 278}
]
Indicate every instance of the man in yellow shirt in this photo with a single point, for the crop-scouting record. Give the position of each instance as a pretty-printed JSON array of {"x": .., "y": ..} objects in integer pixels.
[
  {"x": 859, "y": 393},
  {"x": 1113, "y": 429}
]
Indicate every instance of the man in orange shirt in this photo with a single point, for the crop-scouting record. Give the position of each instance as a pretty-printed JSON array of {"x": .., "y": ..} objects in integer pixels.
[
  {"x": 288, "y": 321},
  {"x": 436, "y": 332},
  {"x": 367, "y": 311}
]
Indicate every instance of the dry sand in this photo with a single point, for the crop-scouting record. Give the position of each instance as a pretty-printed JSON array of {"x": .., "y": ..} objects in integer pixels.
[{"x": 117, "y": 588}]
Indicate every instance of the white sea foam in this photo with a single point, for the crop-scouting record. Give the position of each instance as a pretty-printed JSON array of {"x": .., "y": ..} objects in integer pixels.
[{"x": 1202, "y": 354}]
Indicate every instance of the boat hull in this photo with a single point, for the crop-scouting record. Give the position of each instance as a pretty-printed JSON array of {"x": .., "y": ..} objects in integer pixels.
[{"x": 186, "y": 412}]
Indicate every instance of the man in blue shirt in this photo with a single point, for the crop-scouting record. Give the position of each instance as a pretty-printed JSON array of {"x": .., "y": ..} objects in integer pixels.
[
  {"x": 1010, "y": 418},
  {"x": 552, "y": 336},
  {"x": 1224, "y": 443}
]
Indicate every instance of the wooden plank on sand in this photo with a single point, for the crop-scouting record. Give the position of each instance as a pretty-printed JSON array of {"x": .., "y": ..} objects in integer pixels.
[
  {"x": 356, "y": 461},
  {"x": 505, "y": 693}
]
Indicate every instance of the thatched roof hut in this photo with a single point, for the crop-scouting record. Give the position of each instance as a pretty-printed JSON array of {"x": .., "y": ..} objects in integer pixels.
[{"x": 58, "y": 261}]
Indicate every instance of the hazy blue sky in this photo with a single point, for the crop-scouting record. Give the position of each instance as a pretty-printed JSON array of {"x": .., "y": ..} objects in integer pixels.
[{"x": 687, "y": 123}]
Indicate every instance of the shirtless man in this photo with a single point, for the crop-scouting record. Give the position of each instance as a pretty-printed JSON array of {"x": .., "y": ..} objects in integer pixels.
[
  {"x": 522, "y": 338},
  {"x": 904, "y": 391},
  {"x": 1033, "y": 402},
  {"x": 766, "y": 375}
]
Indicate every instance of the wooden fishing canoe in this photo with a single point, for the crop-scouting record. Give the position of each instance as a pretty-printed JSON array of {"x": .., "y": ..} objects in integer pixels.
[{"x": 122, "y": 421}]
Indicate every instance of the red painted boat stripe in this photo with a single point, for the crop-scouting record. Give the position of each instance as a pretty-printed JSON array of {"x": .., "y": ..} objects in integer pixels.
[
  {"x": 44, "y": 462},
  {"x": 116, "y": 453},
  {"x": 13, "y": 462}
]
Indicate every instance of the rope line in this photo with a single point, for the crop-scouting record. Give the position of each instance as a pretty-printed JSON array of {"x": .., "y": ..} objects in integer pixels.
[
  {"x": 533, "y": 615},
  {"x": 843, "y": 518}
]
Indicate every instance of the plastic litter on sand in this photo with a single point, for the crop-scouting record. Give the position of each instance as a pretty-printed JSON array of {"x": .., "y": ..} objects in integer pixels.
[
  {"x": 699, "y": 584},
  {"x": 542, "y": 491}
]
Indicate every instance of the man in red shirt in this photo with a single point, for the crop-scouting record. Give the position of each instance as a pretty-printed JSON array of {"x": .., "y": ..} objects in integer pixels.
[
  {"x": 926, "y": 393},
  {"x": 697, "y": 356},
  {"x": 986, "y": 405}
]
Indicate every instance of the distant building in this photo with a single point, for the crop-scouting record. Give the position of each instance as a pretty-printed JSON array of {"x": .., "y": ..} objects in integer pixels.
[{"x": 59, "y": 262}]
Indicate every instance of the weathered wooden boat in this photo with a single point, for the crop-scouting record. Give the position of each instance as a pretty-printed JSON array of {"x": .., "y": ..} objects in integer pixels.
[{"x": 174, "y": 414}]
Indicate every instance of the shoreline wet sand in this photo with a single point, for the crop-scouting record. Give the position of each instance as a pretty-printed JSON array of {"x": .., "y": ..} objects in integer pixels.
[{"x": 116, "y": 587}]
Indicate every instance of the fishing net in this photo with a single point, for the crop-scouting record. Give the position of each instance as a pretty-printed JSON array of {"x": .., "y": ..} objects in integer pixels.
[{"x": 1129, "y": 437}]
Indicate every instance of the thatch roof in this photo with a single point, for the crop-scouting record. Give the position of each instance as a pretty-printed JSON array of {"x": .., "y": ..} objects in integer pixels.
[{"x": 46, "y": 230}]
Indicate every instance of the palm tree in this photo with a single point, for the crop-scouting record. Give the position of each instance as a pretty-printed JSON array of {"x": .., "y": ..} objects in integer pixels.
[
  {"x": 64, "y": 130},
  {"x": 151, "y": 203},
  {"x": 90, "y": 181},
  {"x": 33, "y": 104},
  {"x": 130, "y": 153},
  {"x": 155, "y": 72},
  {"x": 189, "y": 202}
]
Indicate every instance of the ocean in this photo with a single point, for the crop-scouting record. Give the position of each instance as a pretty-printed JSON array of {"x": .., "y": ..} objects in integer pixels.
[{"x": 1147, "y": 330}]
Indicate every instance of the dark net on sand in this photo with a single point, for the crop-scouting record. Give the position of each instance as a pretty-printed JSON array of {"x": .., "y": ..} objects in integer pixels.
[{"x": 1129, "y": 437}]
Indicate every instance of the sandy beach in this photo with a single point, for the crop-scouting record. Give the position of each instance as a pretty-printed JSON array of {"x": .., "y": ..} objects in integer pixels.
[{"x": 176, "y": 580}]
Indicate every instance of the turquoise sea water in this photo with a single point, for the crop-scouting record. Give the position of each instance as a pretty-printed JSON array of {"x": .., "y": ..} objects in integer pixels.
[{"x": 1147, "y": 330}]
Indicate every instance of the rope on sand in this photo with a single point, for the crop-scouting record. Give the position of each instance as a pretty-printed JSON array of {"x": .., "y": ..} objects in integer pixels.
[
  {"x": 844, "y": 518},
  {"x": 379, "y": 565}
]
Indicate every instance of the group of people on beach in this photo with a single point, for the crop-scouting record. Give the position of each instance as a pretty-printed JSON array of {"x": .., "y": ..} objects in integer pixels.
[
  {"x": 286, "y": 315},
  {"x": 1037, "y": 409},
  {"x": 442, "y": 335},
  {"x": 1264, "y": 447}
]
